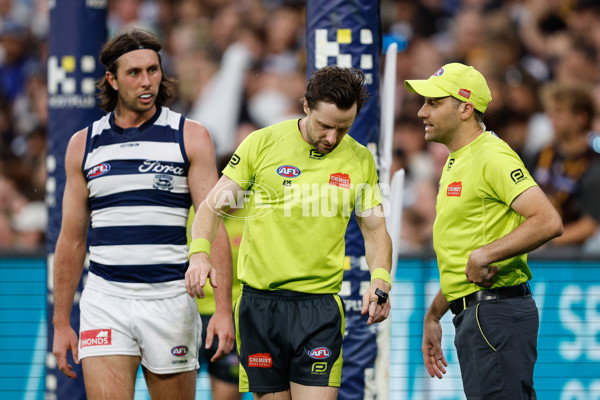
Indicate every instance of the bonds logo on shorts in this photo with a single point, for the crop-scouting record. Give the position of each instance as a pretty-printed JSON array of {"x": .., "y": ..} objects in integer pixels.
[
  {"x": 98, "y": 170},
  {"x": 179, "y": 351},
  {"x": 454, "y": 189},
  {"x": 319, "y": 353},
  {"x": 340, "y": 180},
  {"x": 288, "y": 171},
  {"x": 260, "y": 360},
  {"x": 95, "y": 337},
  {"x": 517, "y": 175}
]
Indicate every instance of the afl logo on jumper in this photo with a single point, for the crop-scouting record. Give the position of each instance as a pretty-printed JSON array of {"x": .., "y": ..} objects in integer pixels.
[
  {"x": 439, "y": 72},
  {"x": 288, "y": 171},
  {"x": 320, "y": 353},
  {"x": 98, "y": 170},
  {"x": 454, "y": 189}
]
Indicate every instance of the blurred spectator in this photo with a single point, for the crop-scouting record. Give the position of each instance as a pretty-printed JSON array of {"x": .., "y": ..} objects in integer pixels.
[
  {"x": 7, "y": 235},
  {"x": 568, "y": 170},
  {"x": 578, "y": 63},
  {"x": 34, "y": 161},
  {"x": 22, "y": 222},
  {"x": 219, "y": 103},
  {"x": 511, "y": 126},
  {"x": 584, "y": 21},
  {"x": 29, "y": 225},
  {"x": 14, "y": 43},
  {"x": 277, "y": 85},
  {"x": 422, "y": 162},
  {"x": 30, "y": 107},
  {"x": 131, "y": 14},
  {"x": 467, "y": 35}
]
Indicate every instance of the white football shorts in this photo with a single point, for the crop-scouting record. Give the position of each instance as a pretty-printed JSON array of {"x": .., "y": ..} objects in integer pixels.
[{"x": 165, "y": 333}]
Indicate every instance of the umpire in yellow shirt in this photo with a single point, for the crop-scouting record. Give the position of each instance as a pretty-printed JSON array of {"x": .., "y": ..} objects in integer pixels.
[
  {"x": 307, "y": 176},
  {"x": 489, "y": 214}
]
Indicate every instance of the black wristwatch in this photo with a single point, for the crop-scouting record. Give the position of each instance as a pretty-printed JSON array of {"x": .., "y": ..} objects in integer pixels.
[{"x": 382, "y": 297}]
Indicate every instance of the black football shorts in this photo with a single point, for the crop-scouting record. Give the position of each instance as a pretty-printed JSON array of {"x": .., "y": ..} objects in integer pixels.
[{"x": 285, "y": 336}]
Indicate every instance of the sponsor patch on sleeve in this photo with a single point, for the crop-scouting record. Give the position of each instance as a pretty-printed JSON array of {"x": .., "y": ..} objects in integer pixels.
[
  {"x": 517, "y": 175},
  {"x": 235, "y": 160}
]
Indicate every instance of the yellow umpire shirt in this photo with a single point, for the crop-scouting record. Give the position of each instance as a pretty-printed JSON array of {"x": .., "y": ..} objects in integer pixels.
[
  {"x": 478, "y": 184},
  {"x": 300, "y": 202}
]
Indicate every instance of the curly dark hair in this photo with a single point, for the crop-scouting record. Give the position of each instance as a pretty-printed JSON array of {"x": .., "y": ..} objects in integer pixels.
[
  {"x": 340, "y": 86},
  {"x": 109, "y": 57}
]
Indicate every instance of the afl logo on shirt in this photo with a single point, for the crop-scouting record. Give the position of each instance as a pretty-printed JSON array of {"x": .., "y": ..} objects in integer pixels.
[
  {"x": 288, "y": 171},
  {"x": 98, "y": 170}
]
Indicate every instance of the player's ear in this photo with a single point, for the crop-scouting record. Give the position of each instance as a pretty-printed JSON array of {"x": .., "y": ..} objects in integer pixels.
[
  {"x": 112, "y": 80},
  {"x": 305, "y": 106}
]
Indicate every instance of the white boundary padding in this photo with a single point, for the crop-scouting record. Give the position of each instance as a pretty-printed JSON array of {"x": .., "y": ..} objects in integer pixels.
[
  {"x": 388, "y": 97},
  {"x": 394, "y": 200},
  {"x": 394, "y": 219}
]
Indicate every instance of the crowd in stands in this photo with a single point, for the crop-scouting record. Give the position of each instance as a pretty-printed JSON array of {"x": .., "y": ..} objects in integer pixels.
[{"x": 241, "y": 65}]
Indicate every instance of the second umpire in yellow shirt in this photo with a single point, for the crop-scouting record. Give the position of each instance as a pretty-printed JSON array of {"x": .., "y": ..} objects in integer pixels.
[{"x": 489, "y": 214}]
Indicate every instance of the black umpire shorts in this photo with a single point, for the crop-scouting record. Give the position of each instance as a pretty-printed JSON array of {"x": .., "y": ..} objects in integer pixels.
[{"x": 284, "y": 336}]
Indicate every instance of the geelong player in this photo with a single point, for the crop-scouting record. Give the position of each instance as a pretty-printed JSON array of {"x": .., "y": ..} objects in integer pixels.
[{"x": 135, "y": 173}]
